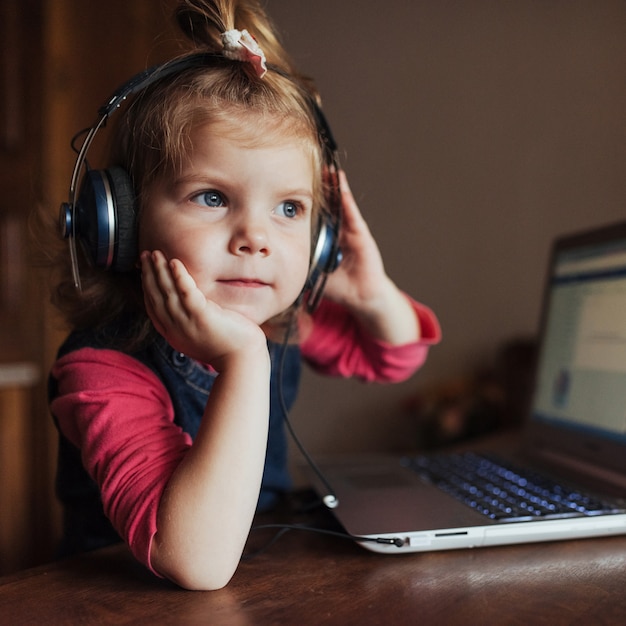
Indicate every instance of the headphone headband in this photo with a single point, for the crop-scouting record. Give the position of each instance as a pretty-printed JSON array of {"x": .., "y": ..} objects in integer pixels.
[{"x": 144, "y": 79}]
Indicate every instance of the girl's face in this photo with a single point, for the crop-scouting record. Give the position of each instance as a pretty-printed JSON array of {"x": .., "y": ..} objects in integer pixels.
[{"x": 239, "y": 218}]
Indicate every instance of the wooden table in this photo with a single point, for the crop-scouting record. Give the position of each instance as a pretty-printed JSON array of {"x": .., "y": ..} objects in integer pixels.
[{"x": 307, "y": 579}]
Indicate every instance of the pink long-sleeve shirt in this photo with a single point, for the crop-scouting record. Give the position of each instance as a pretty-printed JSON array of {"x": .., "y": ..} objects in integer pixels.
[{"x": 118, "y": 413}]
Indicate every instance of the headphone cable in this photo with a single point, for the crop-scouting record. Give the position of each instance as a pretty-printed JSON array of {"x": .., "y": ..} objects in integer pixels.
[
  {"x": 330, "y": 500},
  {"x": 283, "y": 529}
]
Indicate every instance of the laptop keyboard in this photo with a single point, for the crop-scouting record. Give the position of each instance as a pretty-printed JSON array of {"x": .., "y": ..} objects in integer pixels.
[{"x": 504, "y": 492}]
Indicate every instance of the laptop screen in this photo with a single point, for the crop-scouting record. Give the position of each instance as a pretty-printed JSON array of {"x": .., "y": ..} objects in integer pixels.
[{"x": 581, "y": 372}]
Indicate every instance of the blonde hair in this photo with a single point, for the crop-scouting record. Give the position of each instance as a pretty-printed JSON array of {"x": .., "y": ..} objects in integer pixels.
[{"x": 151, "y": 139}]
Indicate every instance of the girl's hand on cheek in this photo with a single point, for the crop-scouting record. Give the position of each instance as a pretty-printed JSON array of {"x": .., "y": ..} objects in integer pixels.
[{"x": 190, "y": 322}]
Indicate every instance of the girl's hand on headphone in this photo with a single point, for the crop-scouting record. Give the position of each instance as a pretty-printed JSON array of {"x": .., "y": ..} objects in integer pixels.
[
  {"x": 191, "y": 323},
  {"x": 361, "y": 284},
  {"x": 360, "y": 275}
]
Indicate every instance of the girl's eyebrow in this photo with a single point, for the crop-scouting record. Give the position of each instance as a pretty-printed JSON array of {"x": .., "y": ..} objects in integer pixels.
[
  {"x": 307, "y": 193},
  {"x": 185, "y": 179}
]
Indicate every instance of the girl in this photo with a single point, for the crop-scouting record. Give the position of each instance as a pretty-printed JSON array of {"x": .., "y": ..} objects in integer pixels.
[{"x": 168, "y": 393}]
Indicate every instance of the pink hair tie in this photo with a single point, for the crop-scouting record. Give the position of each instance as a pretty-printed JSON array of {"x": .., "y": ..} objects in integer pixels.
[{"x": 240, "y": 45}]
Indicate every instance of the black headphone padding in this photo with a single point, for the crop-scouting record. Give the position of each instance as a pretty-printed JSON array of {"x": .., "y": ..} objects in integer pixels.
[
  {"x": 105, "y": 219},
  {"x": 125, "y": 254}
]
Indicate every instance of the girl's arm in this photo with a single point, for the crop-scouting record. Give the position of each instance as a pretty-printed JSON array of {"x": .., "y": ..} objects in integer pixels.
[
  {"x": 334, "y": 345},
  {"x": 206, "y": 511}
]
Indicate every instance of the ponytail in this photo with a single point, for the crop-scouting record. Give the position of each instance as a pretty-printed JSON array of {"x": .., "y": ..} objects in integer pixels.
[{"x": 202, "y": 22}]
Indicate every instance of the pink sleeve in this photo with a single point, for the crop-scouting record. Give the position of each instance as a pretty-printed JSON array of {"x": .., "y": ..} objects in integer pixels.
[
  {"x": 337, "y": 346},
  {"x": 119, "y": 414}
]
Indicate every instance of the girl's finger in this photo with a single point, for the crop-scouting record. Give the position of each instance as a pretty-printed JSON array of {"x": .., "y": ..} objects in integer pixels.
[
  {"x": 160, "y": 292},
  {"x": 151, "y": 291},
  {"x": 191, "y": 298},
  {"x": 352, "y": 218}
]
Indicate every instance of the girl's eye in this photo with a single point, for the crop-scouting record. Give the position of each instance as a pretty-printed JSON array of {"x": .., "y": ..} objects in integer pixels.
[
  {"x": 288, "y": 209},
  {"x": 210, "y": 199}
]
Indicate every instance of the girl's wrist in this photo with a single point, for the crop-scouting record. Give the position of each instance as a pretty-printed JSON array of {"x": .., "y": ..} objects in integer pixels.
[
  {"x": 389, "y": 316},
  {"x": 254, "y": 357}
]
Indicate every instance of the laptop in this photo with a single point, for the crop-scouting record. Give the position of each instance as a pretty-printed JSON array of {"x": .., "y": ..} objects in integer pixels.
[{"x": 565, "y": 479}]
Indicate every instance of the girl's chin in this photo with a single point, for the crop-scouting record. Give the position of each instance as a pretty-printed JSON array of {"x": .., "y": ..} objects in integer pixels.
[
  {"x": 255, "y": 309},
  {"x": 256, "y": 314}
]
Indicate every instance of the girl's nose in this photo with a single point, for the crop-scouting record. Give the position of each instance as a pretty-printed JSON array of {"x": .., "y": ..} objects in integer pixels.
[{"x": 250, "y": 237}]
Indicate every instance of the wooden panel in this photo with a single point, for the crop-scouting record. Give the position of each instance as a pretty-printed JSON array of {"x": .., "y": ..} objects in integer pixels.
[
  {"x": 22, "y": 412},
  {"x": 20, "y": 101},
  {"x": 11, "y": 262},
  {"x": 59, "y": 60},
  {"x": 10, "y": 96}
]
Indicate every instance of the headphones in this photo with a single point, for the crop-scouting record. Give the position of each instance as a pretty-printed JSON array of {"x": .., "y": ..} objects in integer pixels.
[{"x": 101, "y": 213}]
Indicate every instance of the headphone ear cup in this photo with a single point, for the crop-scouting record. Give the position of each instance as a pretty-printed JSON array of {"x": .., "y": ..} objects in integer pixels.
[
  {"x": 125, "y": 238},
  {"x": 325, "y": 259},
  {"x": 105, "y": 219}
]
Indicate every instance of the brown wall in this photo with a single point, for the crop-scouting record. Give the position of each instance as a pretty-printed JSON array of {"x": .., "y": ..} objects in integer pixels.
[{"x": 473, "y": 131}]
